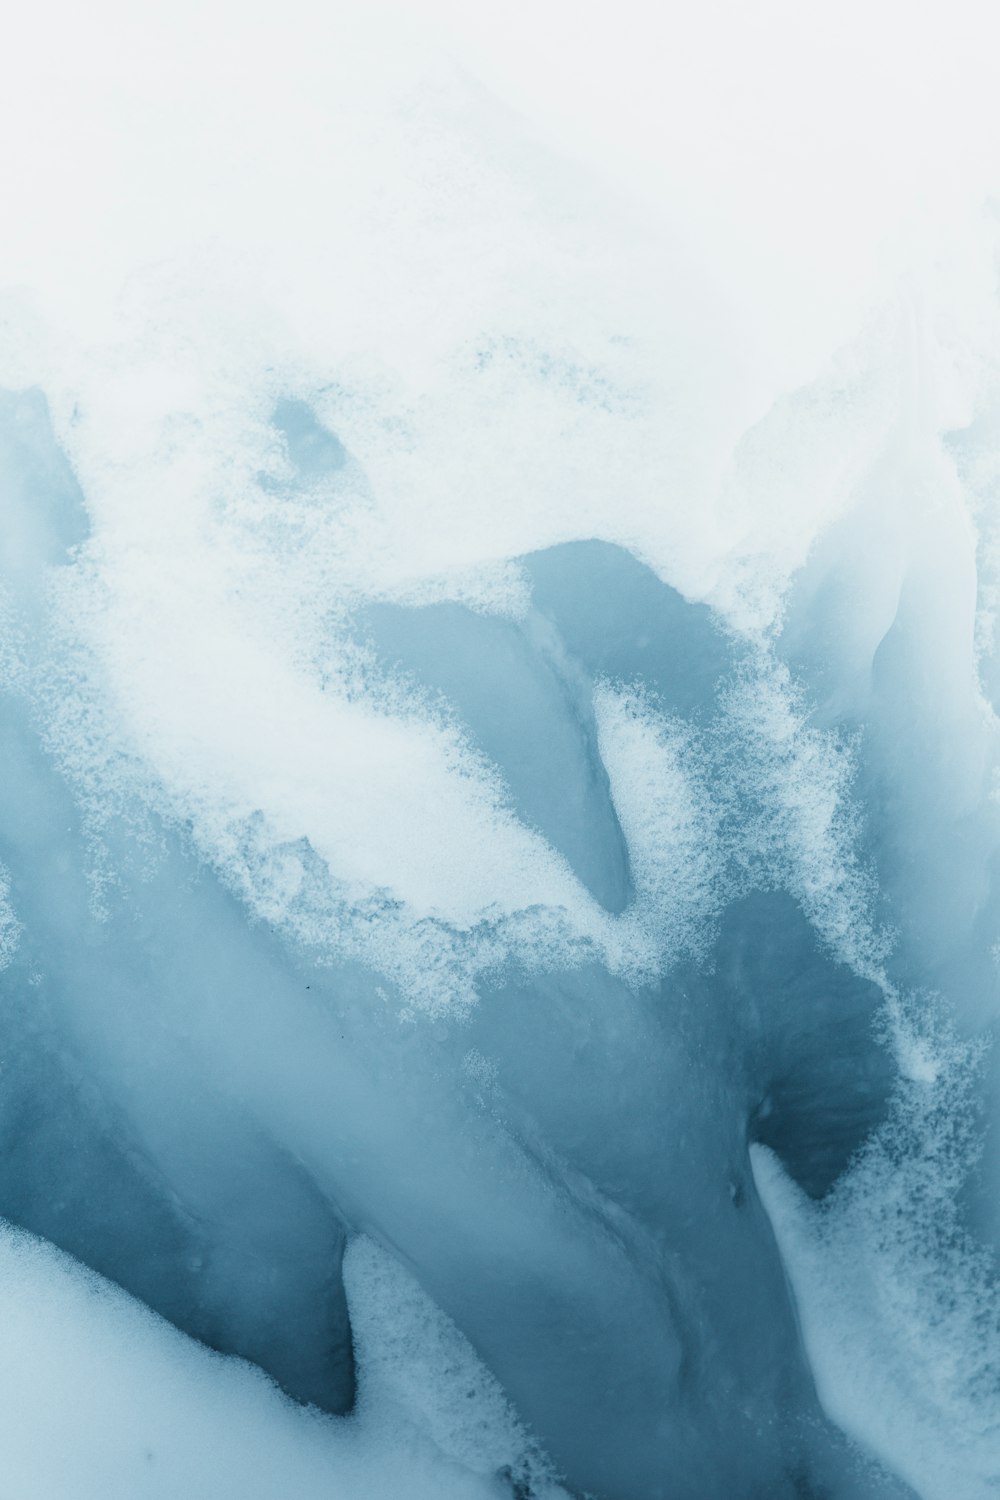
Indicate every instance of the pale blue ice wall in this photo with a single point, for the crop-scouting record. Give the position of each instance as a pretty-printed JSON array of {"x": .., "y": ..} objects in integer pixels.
[
  {"x": 509, "y": 767},
  {"x": 196, "y": 1109}
]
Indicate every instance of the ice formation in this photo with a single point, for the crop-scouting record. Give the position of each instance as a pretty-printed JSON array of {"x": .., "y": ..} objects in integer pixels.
[{"x": 499, "y": 885}]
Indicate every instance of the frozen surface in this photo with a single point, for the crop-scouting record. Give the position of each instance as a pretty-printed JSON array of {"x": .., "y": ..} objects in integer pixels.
[
  {"x": 499, "y": 671},
  {"x": 103, "y": 1400}
]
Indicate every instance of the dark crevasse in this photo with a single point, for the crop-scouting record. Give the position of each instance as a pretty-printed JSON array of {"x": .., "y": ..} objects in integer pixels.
[
  {"x": 900, "y": 672},
  {"x": 200, "y": 1110}
]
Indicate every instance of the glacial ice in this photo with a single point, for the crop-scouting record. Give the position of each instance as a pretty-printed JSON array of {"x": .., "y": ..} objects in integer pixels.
[
  {"x": 202, "y": 1114},
  {"x": 499, "y": 901}
]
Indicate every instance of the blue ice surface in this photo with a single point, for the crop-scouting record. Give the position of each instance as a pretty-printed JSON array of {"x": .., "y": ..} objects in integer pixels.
[
  {"x": 195, "y": 1108},
  {"x": 312, "y": 451}
]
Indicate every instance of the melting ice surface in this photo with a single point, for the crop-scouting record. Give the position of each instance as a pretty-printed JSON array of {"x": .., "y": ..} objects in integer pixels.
[{"x": 499, "y": 887}]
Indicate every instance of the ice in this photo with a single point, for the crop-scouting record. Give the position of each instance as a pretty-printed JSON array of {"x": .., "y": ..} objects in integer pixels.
[
  {"x": 524, "y": 716},
  {"x": 312, "y": 1110},
  {"x": 103, "y": 1399},
  {"x": 498, "y": 820}
]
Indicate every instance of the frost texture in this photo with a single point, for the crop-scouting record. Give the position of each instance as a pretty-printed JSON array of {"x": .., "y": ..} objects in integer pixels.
[{"x": 499, "y": 822}]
